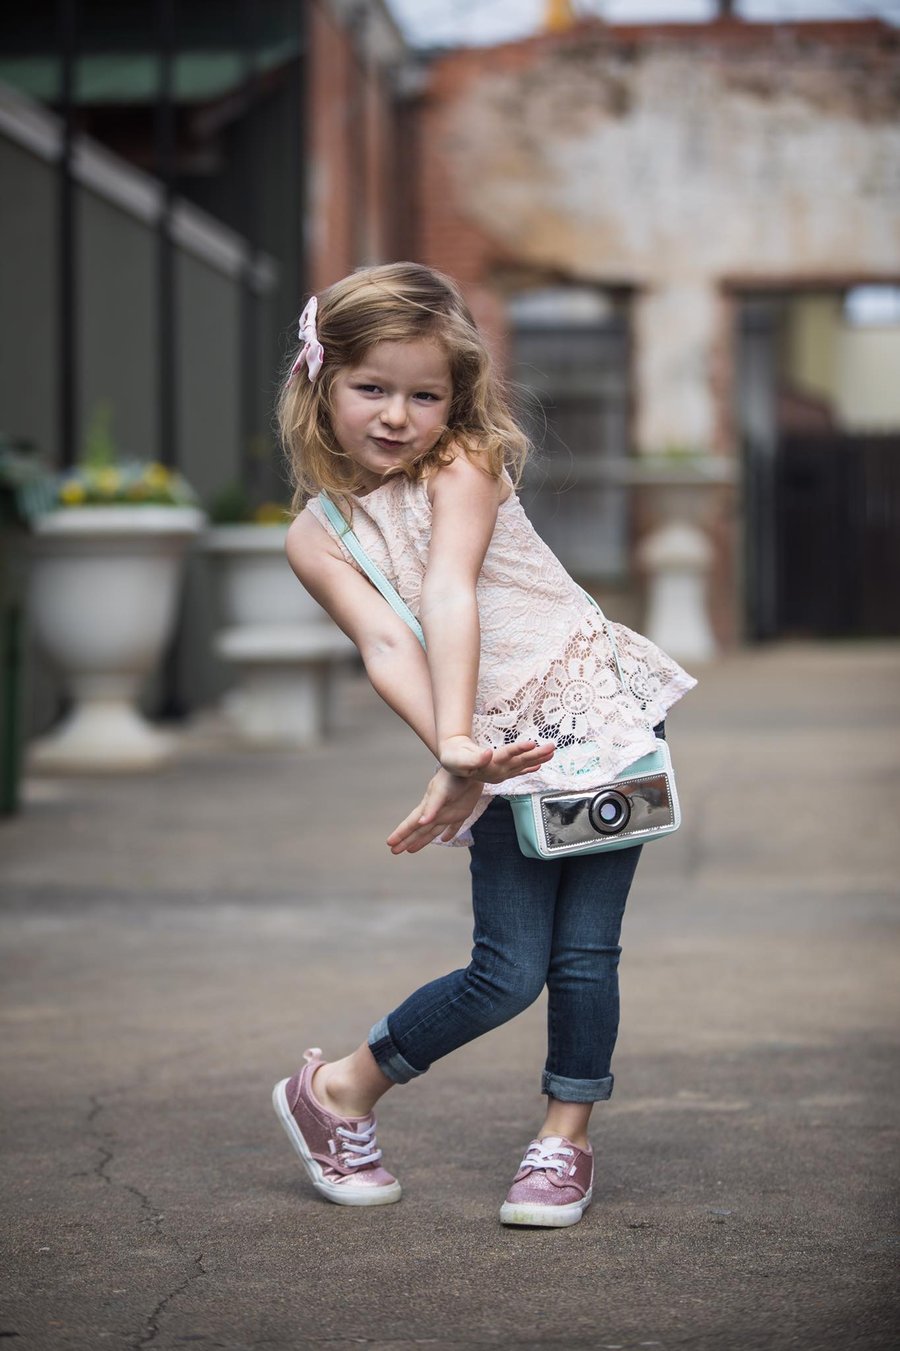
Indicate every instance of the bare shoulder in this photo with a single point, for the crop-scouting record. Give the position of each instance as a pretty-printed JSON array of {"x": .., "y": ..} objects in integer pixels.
[
  {"x": 468, "y": 474},
  {"x": 308, "y": 544}
]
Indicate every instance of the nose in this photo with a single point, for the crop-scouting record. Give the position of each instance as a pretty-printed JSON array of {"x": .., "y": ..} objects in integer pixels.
[{"x": 394, "y": 411}]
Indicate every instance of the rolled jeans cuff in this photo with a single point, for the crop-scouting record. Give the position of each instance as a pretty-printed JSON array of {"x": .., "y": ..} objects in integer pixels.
[
  {"x": 576, "y": 1090},
  {"x": 387, "y": 1057}
]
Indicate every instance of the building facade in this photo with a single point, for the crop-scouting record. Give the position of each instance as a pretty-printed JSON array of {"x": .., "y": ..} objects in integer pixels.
[
  {"x": 699, "y": 189},
  {"x": 665, "y": 232}
]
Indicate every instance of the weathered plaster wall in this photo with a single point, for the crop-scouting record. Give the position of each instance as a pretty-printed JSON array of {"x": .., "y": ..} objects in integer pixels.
[{"x": 674, "y": 163}]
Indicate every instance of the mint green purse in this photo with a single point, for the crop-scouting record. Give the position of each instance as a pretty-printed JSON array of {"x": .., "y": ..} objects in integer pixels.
[{"x": 639, "y": 805}]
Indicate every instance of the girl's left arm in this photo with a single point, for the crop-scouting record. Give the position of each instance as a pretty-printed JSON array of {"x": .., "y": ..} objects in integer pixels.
[{"x": 465, "y": 502}]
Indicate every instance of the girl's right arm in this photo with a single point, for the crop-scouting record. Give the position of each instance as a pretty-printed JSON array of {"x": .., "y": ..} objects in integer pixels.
[
  {"x": 396, "y": 666},
  {"x": 398, "y": 670},
  {"x": 392, "y": 655}
]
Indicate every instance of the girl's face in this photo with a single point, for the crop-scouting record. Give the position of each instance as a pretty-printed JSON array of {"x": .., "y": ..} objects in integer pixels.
[{"x": 391, "y": 408}]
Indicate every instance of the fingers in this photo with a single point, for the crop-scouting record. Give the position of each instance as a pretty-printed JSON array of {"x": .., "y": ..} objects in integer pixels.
[
  {"x": 417, "y": 831},
  {"x": 531, "y": 760},
  {"x": 406, "y": 827},
  {"x": 420, "y": 828},
  {"x": 523, "y": 757},
  {"x": 412, "y": 820},
  {"x": 530, "y": 750},
  {"x": 420, "y": 836},
  {"x": 449, "y": 800},
  {"x": 466, "y": 759}
]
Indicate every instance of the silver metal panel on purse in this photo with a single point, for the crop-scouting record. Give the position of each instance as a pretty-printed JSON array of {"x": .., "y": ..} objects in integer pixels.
[{"x": 564, "y": 819}]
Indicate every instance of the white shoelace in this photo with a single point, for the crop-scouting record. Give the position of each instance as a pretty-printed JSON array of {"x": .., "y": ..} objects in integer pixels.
[
  {"x": 545, "y": 1154},
  {"x": 360, "y": 1144}
]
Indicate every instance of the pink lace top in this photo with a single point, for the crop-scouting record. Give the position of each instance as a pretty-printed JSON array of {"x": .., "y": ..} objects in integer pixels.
[{"x": 547, "y": 670}]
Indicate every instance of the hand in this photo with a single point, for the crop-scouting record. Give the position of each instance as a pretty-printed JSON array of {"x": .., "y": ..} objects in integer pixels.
[
  {"x": 447, "y": 802},
  {"x": 463, "y": 757}
]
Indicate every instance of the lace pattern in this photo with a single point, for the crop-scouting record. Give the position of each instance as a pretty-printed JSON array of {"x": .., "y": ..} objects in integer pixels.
[{"x": 547, "y": 667}]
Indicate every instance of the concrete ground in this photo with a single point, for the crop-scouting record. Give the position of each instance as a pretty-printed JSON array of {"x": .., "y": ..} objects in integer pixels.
[{"x": 172, "y": 942}]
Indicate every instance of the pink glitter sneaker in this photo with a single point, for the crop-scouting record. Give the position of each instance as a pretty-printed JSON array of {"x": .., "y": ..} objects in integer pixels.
[
  {"x": 340, "y": 1154},
  {"x": 553, "y": 1185}
]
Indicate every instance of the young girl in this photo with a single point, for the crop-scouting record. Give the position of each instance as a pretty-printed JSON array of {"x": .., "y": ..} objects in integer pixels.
[{"x": 391, "y": 408}]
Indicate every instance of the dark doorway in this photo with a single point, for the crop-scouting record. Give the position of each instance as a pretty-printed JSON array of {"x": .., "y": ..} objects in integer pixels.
[
  {"x": 828, "y": 506},
  {"x": 821, "y": 495}
]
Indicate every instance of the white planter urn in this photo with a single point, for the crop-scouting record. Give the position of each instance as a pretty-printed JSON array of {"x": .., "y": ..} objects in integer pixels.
[
  {"x": 282, "y": 646},
  {"x": 677, "y": 559},
  {"x": 676, "y": 554},
  {"x": 254, "y": 579},
  {"x": 104, "y": 587}
]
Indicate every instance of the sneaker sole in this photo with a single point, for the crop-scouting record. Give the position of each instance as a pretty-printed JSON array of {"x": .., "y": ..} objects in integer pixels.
[
  {"x": 544, "y": 1217},
  {"x": 340, "y": 1195}
]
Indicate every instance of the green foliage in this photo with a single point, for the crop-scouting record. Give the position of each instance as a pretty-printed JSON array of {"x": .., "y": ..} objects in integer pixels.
[
  {"x": 233, "y": 505},
  {"x": 99, "y": 450}
]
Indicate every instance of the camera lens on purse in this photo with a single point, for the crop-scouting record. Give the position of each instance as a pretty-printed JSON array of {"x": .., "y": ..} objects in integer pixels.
[{"x": 609, "y": 812}]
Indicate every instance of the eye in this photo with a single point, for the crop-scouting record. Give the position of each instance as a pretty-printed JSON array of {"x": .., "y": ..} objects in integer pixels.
[
  {"x": 369, "y": 389},
  {"x": 428, "y": 397}
]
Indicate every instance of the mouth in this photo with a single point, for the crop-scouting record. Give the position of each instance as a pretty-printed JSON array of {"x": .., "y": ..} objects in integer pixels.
[{"x": 387, "y": 444}]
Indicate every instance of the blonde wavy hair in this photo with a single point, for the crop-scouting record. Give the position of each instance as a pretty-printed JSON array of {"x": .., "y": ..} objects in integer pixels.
[{"x": 397, "y": 302}]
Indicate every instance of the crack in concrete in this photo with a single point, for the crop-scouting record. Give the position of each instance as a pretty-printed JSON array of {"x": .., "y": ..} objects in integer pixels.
[
  {"x": 153, "y": 1318},
  {"x": 149, "y": 1214},
  {"x": 106, "y": 1155}
]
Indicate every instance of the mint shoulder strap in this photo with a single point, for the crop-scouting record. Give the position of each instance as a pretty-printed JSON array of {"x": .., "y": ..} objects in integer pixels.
[{"x": 372, "y": 571}]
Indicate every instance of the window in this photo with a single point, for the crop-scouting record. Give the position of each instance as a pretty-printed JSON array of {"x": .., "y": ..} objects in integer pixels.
[{"x": 570, "y": 365}]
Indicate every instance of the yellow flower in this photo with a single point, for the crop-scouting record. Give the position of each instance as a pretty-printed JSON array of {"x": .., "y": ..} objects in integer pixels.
[
  {"x": 156, "y": 475},
  {"x": 108, "y": 481},
  {"x": 72, "y": 493}
]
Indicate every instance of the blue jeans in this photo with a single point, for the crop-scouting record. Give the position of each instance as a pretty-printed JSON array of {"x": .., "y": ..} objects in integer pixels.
[{"x": 537, "y": 922}]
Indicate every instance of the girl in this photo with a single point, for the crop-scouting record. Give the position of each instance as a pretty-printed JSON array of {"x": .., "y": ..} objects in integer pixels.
[{"x": 392, "y": 409}]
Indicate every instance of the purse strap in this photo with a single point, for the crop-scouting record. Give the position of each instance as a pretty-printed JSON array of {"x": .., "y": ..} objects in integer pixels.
[
  {"x": 372, "y": 571},
  {"x": 389, "y": 591}
]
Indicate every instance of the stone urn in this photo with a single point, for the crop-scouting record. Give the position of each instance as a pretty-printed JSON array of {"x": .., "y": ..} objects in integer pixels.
[
  {"x": 676, "y": 495},
  {"x": 104, "y": 589},
  {"x": 282, "y": 647}
]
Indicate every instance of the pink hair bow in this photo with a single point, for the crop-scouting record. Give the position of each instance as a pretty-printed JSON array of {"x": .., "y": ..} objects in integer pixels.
[{"x": 312, "y": 353}]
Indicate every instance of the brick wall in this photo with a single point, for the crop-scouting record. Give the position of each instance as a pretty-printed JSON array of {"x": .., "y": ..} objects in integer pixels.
[{"x": 351, "y": 144}]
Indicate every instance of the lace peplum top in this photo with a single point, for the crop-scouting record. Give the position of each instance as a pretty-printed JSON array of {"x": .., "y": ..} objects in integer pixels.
[{"x": 547, "y": 670}]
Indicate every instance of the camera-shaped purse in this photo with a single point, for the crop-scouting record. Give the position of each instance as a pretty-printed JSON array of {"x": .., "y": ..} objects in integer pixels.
[{"x": 639, "y": 805}]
